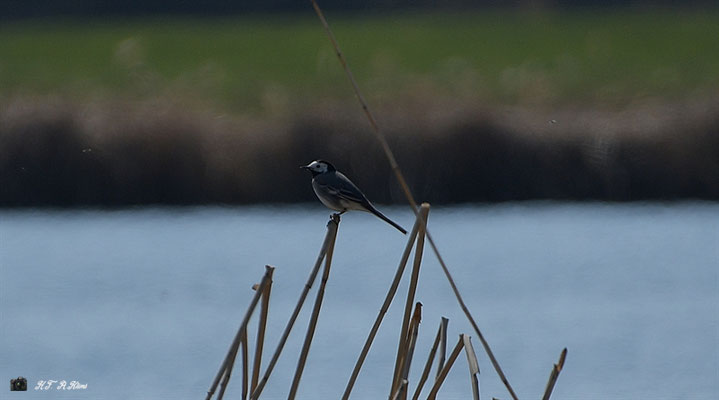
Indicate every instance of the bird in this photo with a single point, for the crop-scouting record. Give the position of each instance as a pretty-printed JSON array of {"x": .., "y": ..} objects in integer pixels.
[{"x": 338, "y": 193}]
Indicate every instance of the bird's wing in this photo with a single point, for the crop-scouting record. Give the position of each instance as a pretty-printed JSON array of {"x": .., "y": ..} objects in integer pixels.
[{"x": 340, "y": 186}]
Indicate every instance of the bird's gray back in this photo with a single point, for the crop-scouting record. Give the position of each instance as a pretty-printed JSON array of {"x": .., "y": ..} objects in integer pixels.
[{"x": 339, "y": 186}]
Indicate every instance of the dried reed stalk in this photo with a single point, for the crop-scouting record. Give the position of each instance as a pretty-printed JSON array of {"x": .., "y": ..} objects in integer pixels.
[
  {"x": 428, "y": 364},
  {"x": 442, "y": 345},
  {"x": 401, "y": 391},
  {"x": 232, "y": 352},
  {"x": 410, "y": 343},
  {"x": 403, "y": 336},
  {"x": 261, "y": 327},
  {"x": 313, "y": 322},
  {"x": 408, "y": 194},
  {"x": 473, "y": 366},
  {"x": 228, "y": 373},
  {"x": 554, "y": 375},
  {"x": 443, "y": 373},
  {"x": 330, "y": 237},
  {"x": 243, "y": 345},
  {"x": 383, "y": 310}
]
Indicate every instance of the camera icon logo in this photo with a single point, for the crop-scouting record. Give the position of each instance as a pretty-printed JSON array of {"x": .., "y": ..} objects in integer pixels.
[{"x": 18, "y": 385}]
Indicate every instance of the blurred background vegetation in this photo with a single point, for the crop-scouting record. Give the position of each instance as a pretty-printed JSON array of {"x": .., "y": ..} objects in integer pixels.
[{"x": 109, "y": 104}]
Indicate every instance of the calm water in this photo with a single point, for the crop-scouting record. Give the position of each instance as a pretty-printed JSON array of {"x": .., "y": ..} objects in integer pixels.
[{"x": 143, "y": 304}]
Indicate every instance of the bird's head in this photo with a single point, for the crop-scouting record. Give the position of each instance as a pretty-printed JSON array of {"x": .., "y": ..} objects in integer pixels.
[{"x": 318, "y": 167}]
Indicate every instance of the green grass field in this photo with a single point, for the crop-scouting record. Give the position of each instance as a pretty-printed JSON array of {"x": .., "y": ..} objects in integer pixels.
[{"x": 245, "y": 62}]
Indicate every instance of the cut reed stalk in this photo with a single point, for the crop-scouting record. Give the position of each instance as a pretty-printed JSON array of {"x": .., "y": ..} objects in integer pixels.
[
  {"x": 442, "y": 345},
  {"x": 403, "y": 336},
  {"x": 330, "y": 237},
  {"x": 383, "y": 310},
  {"x": 261, "y": 328},
  {"x": 411, "y": 342},
  {"x": 408, "y": 194},
  {"x": 313, "y": 322},
  {"x": 243, "y": 325},
  {"x": 554, "y": 375},
  {"x": 443, "y": 373},
  {"x": 473, "y": 366},
  {"x": 428, "y": 364}
]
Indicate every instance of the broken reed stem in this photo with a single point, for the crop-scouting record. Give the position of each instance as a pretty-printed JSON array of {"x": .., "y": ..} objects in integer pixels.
[
  {"x": 313, "y": 322},
  {"x": 330, "y": 237},
  {"x": 403, "y": 336},
  {"x": 261, "y": 328},
  {"x": 427, "y": 365},
  {"x": 236, "y": 342},
  {"x": 442, "y": 345},
  {"x": 473, "y": 366},
  {"x": 385, "y": 306},
  {"x": 443, "y": 373},
  {"x": 554, "y": 375},
  {"x": 408, "y": 194},
  {"x": 411, "y": 342}
]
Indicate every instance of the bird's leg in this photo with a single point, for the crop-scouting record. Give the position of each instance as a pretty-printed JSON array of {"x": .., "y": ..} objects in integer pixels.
[{"x": 334, "y": 218}]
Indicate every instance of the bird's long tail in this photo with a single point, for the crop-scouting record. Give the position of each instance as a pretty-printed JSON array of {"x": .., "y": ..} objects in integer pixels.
[{"x": 376, "y": 212}]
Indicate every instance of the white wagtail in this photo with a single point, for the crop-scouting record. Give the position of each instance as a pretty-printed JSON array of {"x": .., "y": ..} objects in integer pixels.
[{"x": 338, "y": 193}]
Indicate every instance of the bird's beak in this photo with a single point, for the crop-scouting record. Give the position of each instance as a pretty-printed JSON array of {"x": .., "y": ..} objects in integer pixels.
[{"x": 304, "y": 167}]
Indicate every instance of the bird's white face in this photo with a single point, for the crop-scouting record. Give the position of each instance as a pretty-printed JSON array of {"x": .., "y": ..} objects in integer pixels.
[{"x": 317, "y": 166}]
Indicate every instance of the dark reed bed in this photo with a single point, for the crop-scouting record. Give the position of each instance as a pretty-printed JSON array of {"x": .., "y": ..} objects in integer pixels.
[{"x": 57, "y": 152}]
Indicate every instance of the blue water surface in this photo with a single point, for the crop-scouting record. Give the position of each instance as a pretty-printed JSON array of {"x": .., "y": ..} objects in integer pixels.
[{"x": 143, "y": 303}]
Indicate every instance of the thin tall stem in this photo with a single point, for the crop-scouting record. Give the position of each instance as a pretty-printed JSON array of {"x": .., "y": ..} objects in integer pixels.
[
  {"x": 403, "y": 336},
  {"x": 313, "y": 322},
  {"x": 462, "y": 305},
  {"x": 385, "y": 306},
  {"x": 330, "y": 237},
  {"x": 408, "y": 194}
]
